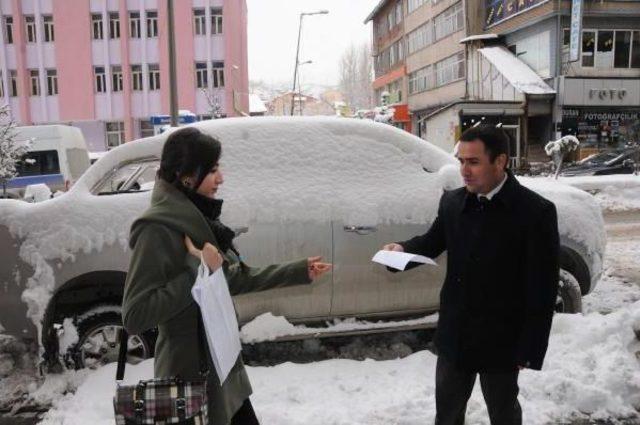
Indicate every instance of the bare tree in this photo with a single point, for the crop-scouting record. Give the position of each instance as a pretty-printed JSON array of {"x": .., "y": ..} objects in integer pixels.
[
  {"x": 355, "y": 76},
  {"x": 11, "y": 151},
  {"x": 215, "y": 110},
  {"x": 365, "y": 77}
]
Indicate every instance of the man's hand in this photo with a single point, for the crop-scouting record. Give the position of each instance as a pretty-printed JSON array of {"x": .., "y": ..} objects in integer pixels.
[
  {"x": 317, "y": 268},
  {"x": 393, "y": 247},
  {"x": 209, "y": 253}
]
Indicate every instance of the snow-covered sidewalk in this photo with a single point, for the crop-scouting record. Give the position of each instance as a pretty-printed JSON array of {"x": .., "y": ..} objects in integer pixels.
[{"x": 592, "y": 370}]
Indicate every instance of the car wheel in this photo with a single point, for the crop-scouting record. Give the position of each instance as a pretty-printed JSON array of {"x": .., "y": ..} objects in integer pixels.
[
  {"x": 569, "y": 299},
  {"x": 99, "y": 340}
]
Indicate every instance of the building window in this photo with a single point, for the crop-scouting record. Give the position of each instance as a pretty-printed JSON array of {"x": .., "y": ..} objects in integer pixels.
[
  {"x": 622, "y": 54},
  {"x": 414, "y": 4},
  {"x": 450, "y": 69},
  {"x": 97, "y": 32},
  {"x": 13, "y": 83},
  {"x": 154, "y": 77},
  {"x": 398, "y": 11},
  {"x": 1, "y": 85},
  {"x": 608, "y": 48},
  {"x": 216, "y": 21},
  {"x": 389, "y": 57},
  {"x": 100, "y": 79},
  {"x": 30, "y": 27},
  {"x": 604, "y": 49},
  {"x": 114, "y": 25},
  {"x": 134, "y": 24},
  {"x": 420, "y": 38},
  {"x": 47, "y": 23},
  {"x": 152, "y": 23},
  {"x": 116, "y": 78},
  {"x": 391, "y": 19},
  {"x": 34, "y": 79},
  {"x": 201, "y": 75},
  {"x": 8, "y": 29},
  {"x": 449, "y": 21},
  {"x": 421, "y": 80},
  {"x": 52, "y": 82},
  {"x": 136, "y": 77},
  {"x": 146, "y": 128},
  {"x": 114, "y": 134},
  {"x": 199, "y": 22},
  {"x": 588, "y": 48},
  {"x": 635, "y": 50},
  {"x": 218, "y": 74}
]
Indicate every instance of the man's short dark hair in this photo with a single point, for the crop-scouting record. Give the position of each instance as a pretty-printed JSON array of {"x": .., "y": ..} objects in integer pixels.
[{"x": 495, "y": 139}]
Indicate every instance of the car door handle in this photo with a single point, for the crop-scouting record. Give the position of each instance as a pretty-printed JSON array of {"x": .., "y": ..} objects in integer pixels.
[
  {"x": 361, "y": 230},
  {"x": 240, "y": 230}
]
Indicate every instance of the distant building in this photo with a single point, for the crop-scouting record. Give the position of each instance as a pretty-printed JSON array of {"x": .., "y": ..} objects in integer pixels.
[
  {"x": 309, "y": 105},
  {"x": 102, "y": 65}
]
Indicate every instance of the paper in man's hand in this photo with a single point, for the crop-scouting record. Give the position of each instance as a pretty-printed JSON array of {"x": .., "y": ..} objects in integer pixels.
[{"x": 399, "y": 260}]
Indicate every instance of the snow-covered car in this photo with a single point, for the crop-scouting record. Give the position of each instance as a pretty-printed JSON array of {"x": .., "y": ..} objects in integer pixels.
[
  {"x": 294, "y": 187},
  {"x": 618, "y": 161}
]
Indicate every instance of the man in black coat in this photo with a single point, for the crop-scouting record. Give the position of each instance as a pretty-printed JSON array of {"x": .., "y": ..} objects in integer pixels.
[{"x": 498, "y": 298}]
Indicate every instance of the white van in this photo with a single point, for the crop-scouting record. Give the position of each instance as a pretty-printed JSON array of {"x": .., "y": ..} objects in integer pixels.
[{"x": 57, "y": 157}]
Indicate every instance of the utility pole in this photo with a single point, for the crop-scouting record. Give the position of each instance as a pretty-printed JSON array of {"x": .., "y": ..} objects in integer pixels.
[{"x": 173, "y": 87}]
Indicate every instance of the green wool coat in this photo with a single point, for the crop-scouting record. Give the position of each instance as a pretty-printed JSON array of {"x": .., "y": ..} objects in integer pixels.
[{"x": 158, "y": 293}]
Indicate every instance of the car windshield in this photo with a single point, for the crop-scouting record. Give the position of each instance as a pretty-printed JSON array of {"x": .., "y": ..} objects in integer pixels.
[
  {"x": 599, "y": 158},
  {"x": 136, "y": 176}
]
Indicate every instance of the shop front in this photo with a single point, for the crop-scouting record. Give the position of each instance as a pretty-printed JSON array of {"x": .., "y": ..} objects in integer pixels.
[
  {"x": 603, "y": 114},
  {"x": 600, "y": 128}
]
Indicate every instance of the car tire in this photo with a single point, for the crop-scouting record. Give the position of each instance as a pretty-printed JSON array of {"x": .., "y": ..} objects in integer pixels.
[
  {"x": 99, "y": 340},
  {"x": 569, "y": 298}
]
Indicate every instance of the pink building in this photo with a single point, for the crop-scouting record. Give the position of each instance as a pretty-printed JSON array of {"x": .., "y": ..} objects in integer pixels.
[{"x": 103, "y": 66}]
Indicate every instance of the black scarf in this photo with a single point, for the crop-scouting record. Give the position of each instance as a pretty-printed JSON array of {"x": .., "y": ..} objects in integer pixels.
[{"x": 211, "y": 209}]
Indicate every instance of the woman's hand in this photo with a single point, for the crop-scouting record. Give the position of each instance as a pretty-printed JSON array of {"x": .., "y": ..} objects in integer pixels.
[
  {"x": 316, "y": 267},
  {"x": 212, "y": 257}
]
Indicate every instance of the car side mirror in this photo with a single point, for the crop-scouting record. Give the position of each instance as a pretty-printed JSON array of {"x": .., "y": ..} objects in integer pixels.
[{"x": 628, "y": 163}]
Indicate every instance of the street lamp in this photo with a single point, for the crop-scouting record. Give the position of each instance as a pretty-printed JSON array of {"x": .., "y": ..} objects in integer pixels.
[{"x": 295, "y": 70}]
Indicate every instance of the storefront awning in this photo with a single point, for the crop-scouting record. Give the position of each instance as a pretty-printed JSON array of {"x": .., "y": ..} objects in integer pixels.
[{"x": 518, "y": 73}]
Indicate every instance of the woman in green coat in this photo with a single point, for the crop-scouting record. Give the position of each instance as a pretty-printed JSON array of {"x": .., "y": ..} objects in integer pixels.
[{"x": 184, "y": 214}]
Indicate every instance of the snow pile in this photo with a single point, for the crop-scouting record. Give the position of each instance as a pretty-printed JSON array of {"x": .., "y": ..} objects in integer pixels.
[
  {"x": 69, "y": 336},
  {"x": 268, "y": 327},
  {"x": 598, "y": 183},
  {"x": 619, "y": 199},
  {"x": 562, "y": 146},
  {"x": 617, "y": 192},
  {"x": 591, "y": 370},
  {"x": 37, "y": 193}
]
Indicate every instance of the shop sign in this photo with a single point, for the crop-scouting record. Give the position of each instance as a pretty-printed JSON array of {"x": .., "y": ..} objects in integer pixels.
[
  {"x": 603, "y": 94},
  {"x": 499, "y": 10},
  {"x": 576, "y": 30}
]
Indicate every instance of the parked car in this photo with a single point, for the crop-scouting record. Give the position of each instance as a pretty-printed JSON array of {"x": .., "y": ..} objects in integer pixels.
[
  {"x": 293, "y": 187},
  {"x": 57, "y": 157},
  {"x": 618, "y": 161}
]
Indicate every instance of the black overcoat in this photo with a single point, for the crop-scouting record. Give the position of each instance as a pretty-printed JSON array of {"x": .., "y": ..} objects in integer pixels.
[{"x": 498, "y": 298}]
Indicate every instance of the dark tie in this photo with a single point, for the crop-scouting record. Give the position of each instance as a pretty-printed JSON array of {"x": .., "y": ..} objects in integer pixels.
[{"x": 483, "y": 200}]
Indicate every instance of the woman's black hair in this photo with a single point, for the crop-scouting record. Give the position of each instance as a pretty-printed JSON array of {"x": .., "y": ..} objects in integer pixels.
[{"x": 188, "y": 152}]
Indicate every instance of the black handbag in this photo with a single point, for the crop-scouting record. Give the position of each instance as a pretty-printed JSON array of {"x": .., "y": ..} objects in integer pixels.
[{"x": 162, "y": 400}]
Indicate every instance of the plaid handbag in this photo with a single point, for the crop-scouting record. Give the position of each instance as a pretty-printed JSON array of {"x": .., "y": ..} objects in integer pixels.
[{"x": 161, "y": 401}]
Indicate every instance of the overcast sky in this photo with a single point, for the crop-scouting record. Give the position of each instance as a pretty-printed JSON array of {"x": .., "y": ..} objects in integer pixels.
[{"x": 273, "y": 31}]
